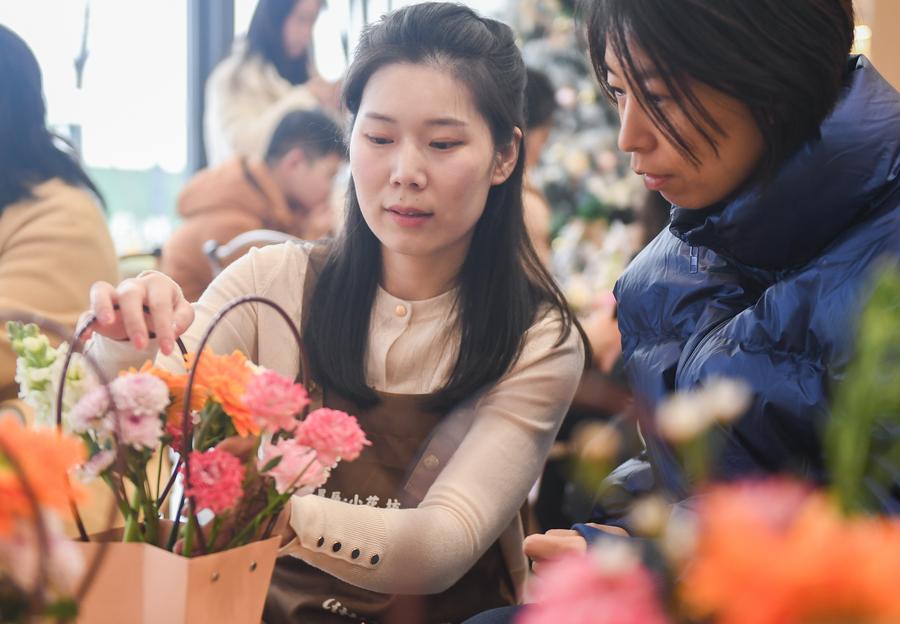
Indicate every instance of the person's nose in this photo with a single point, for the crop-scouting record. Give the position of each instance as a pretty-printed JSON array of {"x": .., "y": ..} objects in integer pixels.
[
  {"x": 637, "y": 132},
  {"x": 409, "y": 167}
]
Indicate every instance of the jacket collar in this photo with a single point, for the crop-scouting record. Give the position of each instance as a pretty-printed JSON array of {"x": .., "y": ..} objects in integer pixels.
[{"x": 831, "y": 182}]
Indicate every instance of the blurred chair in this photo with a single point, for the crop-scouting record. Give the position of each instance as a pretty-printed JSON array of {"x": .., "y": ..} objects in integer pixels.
[
  {"x": 217, "y": 253},
  {"x": 131, "y": 264}
]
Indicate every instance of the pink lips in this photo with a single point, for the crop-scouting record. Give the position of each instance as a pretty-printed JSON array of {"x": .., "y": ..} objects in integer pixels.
[
  {"x": 654, "y": 182},
  {"x": 408, "y": 216}
]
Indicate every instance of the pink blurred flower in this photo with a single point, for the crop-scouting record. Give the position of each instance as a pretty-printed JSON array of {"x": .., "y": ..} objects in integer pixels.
[
  {"x": 333, "y": 434},
  {"x": 275, "y": 400},
  {"x": 299, "y": 469},
  {"x": 139, "y": 430},
  {"x": 96, "y": 465},
  {"x": 601, "y": 587},
  {"x": 216, "y": 480}
]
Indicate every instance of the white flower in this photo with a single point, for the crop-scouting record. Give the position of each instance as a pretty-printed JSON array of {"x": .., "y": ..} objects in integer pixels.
[{"x": 686, "y": 415}]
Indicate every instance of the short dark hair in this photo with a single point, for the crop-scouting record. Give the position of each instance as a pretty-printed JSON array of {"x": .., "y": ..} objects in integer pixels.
[
  {"x": 786, "y": 61},
  {"x": 540, "y": 99},
  {"x": 312, "y": 131},
  {"x": 29, "y": 152},
  {"x": 502, "y": 285},
  {"x": 264, "y": 38}
]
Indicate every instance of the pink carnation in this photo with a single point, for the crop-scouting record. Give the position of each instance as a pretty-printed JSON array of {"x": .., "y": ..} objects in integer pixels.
[
  {"x": 298, "y": 470},
  {"x": 140, "y": 393},
  {"x": 216, "y": 481},
  {"x": 140, "y": 399},
  {"x": 333, "y": 434},
  {"x": 579, "y": 589},
  {"x": 275, "y": 400},
  {"x": 89, "y": 414}
]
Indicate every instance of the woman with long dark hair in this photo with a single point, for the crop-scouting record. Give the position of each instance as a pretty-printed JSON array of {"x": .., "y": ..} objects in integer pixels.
[
  {"x": 431, "y": 313},
  {"x": 53, "y": 237},
  {"x": 266, "y": 75}
]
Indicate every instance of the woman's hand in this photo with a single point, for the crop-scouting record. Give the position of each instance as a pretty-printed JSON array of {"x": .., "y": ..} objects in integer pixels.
[{"x": 151, "y": 303}]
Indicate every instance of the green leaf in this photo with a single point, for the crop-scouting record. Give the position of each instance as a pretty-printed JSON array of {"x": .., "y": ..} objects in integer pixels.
[
  {"x": 272, "y": 463},
  {"x": 862, "y": 439}
]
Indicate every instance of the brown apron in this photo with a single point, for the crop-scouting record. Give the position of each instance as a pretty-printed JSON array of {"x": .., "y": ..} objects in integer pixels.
[{"x": 399, "y": 427}]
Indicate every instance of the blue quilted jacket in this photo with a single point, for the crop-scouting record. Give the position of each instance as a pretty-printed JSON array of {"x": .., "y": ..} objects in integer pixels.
[{"x": 766, "y": 287}]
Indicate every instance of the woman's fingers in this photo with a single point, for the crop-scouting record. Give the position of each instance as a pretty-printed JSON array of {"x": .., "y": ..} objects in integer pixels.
[
  {"x": 103, "y": 300},
  {"x": 148, "y": 306},
  {"x": 131, "y": 295}
]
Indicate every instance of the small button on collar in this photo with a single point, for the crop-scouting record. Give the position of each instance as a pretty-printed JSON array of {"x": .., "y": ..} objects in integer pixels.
[{"x": 400, "y": 310}]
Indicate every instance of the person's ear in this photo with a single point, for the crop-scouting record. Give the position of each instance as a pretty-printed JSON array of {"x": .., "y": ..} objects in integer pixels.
[
  {"x": 506, "y": 159},
  {"x": 293, "y": 158}
]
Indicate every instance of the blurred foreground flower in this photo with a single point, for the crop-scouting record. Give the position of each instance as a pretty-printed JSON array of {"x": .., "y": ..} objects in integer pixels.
[
  {"x": 778, "y": 552},
  {"x": 608, "y": 585}
]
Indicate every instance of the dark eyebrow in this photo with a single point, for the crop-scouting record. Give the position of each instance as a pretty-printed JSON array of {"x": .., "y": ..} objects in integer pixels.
[
  {"x": 440, "y": 121},
  {"x": 643, "y": 77}
]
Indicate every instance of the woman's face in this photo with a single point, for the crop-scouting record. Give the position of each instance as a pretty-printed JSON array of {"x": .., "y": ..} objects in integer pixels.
[
  {"x": 296, "y": 33},
  {"x": 658, "y": 160},
  {"x": 423, "y": 160}
]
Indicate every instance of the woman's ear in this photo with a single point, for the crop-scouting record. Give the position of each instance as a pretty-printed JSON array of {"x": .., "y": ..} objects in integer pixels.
[{"x": 506, "y": 159}]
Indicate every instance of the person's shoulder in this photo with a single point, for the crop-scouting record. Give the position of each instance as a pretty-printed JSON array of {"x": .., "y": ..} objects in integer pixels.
[
  {"x": 280, "y": 265},
  {"x": 551, "y": 332},
  {"x": 57, "y": 199}
]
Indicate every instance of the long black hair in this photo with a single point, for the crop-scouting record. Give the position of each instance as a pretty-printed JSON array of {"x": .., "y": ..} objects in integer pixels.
[
  {"x": 786, "y": 61},
  {"x": 29, "y": 152},
  {"x": 501, "y": 284},
  {"x": 265, "y": 39}
]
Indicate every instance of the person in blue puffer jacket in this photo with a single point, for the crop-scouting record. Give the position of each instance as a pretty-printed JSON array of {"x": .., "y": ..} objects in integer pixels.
[{"x": 780, "y": 154}]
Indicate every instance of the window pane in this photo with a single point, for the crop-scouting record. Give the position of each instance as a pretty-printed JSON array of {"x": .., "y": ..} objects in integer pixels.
[{"x": 130, "y": 116}]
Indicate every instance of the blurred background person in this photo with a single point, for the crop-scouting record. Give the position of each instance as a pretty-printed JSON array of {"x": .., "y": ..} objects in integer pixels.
[
  {"x": 266, "y": 75},
  {"x": 287, "y": 191},
  {"x": 54, "y": 241},
  {"x": 540, "y": 104}
]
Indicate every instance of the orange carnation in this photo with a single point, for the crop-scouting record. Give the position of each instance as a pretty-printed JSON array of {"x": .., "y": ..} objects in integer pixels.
[
  {"x": 225, "y": 377},
  {"x": 773, "y": 552},
  {"x": 46, "y": 457}
]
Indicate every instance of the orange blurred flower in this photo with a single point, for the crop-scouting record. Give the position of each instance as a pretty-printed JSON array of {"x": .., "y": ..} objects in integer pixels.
[
  {"x": 776, "y": 553},
  {"x": 46, "y": 457}
]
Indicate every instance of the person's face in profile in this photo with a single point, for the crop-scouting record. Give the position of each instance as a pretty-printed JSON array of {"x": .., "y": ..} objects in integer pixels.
[
  {"x": 298, "y": 26},
  {"x": 721, "y": 169}
]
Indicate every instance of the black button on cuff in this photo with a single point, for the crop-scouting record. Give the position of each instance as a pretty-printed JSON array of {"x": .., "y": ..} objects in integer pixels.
[
  {"x": 355, "y": 554},
  {"x": 336, "y": 547},
  {"x": 375, "y": 559},
  {"x": 321, "y": 542}
]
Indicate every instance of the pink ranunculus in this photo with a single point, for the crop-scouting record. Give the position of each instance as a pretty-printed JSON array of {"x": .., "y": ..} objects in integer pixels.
[
  {"x": 275, "y": 401},
  {"x": 299, "y": 468},
  {"x": 216, "y": 481},
  {"x": 592, "y": 589},
  {"x": 333, "y": 434}
]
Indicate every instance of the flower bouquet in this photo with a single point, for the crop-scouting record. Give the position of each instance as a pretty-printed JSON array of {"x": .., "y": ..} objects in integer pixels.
[
  {"x": 765, "y": 551},
  {"x": 244, "y": 449},
  {"x": 39, "y": 568}
]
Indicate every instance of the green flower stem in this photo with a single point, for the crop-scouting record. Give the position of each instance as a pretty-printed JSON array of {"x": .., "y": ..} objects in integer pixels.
[
  {"x": 132, "y": 523},
  {"x": 189, "y": 535}
]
